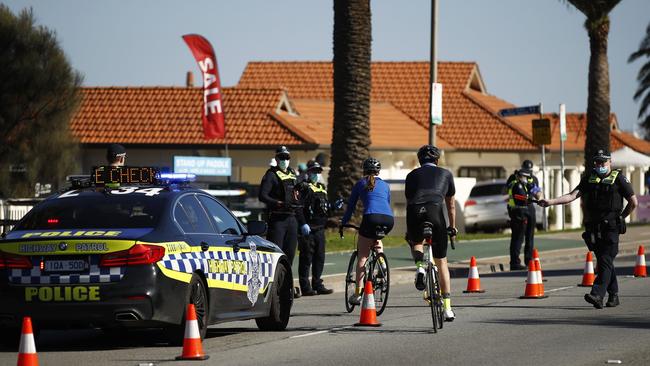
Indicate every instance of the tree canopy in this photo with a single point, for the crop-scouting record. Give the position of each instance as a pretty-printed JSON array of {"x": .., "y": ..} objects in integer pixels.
[
  {"x": 643, "y": 77},
  {"x": 38, "y": 94}
]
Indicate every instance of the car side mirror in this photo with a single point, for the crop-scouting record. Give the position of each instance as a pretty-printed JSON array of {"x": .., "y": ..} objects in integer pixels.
[{"x": 256, "y": 227}]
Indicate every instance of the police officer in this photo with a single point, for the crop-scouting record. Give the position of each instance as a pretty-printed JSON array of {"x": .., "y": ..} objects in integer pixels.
[
  {"x": 316, "y": 209},
  {"x": 533, "y": 191},
  {"x": 116, "y": 155},
  {"x": 279, "y": 192},
  {"x": 603, "y": 190},
  {"x": 518, "y": 199}
]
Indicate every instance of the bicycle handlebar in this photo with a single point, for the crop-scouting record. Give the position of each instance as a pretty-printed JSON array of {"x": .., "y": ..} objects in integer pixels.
[{"x": 348, "y": 226}]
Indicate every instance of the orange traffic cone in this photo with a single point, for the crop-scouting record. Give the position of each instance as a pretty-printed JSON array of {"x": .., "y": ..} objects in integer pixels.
[
  {"x": 368, "y": 311},
  {"x": 27, "y": 353},
  {"x": 192, "y": 348},
  {"x": 536, "y": 259},
  {"x": 538, "y": 272},
  {"x": 534, "y": 287},
  {"x": 588, "y": 276},
  {"x": 640, "y": 268},
  {"x": 473, "y": 281}
]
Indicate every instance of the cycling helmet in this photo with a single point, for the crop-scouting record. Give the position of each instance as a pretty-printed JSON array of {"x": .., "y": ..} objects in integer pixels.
[
  {"x": 371, "y": 166},
  {"x": 428, "y": 154},
  {"x": 282, "y": 153},
  {"x": 527, "y": 164}
]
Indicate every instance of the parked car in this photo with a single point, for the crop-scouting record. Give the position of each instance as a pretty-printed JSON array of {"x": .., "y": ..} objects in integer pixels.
[{"x": 486, "y": 207}]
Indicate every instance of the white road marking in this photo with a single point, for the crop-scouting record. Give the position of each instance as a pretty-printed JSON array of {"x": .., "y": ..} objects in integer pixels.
[
  {"x": 560, "y": 288},
  {"x": 319, "y": 332},
  {"x": 329, "y": 264}
]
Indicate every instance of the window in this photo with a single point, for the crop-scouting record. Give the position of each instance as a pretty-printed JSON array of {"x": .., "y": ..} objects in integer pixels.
[
  {"x": 482, "y": 172},
  {"x": 489, "y": 190},
  {"x": 191, "y": 216},
  {"x": 222, "y": 218}
]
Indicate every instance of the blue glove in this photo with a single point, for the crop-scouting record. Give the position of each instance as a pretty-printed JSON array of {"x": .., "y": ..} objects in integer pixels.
[{"x": 305, "y": 230}]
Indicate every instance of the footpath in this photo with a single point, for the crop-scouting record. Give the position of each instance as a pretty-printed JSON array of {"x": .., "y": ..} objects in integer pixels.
[{"x": 491, "y": 255}]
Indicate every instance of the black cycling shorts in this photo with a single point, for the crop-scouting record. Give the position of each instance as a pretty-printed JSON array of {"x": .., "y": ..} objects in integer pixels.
[
  {"x": 417, "y": 214},
  {"x": 370, "y": 222}
]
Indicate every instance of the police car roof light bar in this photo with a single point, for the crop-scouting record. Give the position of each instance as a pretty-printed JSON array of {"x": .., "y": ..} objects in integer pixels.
[{"x": 177, "y": 177}]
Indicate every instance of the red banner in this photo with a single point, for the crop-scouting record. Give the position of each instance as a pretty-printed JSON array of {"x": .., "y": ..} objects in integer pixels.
[{"x": 213, "y": 116}]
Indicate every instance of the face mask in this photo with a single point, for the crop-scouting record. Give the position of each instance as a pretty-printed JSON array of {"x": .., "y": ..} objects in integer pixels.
[
  {"x": 283, "y": 164},
  {"x": 601, "y": 170},
  {"x": 523, "y": 180},
  {"x": 313, "y": 178}
]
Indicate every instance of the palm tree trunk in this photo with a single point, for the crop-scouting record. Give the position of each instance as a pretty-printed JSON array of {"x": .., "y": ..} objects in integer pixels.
[
  {"x": 598, "y": 103},
  {"x": 351, "y": 135}
]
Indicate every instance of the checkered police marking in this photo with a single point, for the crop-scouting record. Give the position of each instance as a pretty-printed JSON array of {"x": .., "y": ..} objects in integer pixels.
[
  {"x": 94, "y": 274},
  {"x": 232, "y": 268}
]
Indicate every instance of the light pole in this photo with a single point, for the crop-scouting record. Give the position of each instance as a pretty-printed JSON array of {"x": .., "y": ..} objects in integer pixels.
[{"x": 433, "y": 69}]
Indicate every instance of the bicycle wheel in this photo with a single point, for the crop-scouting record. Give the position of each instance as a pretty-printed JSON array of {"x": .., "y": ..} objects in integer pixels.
[
  {"x": 430, "y": 296},
  {"x": 438, "y": 300},
  {"x": 350, "y": 281},
  {"x": 381, "y": 283}
]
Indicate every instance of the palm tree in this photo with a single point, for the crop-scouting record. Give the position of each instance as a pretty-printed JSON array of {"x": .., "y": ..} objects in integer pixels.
[
  {"x": 598, "y": 107},
  {"x": 351, "y": 134},
  {"x": 644, "y": 82}
]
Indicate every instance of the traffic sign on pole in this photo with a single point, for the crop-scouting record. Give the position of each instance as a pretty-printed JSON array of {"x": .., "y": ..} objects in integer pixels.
[
  {"x": 562, "y": 122},
  {"x": 436, "y": 104},
  {"x": 541, "y": 131},
  {"x": 518, "y": 111}
]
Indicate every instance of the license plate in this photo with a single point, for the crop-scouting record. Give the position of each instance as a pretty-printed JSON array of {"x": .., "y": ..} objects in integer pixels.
[{"x": 65, "y": 265}]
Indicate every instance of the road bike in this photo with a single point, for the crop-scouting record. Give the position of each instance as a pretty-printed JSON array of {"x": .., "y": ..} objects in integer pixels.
[
  {"x": 432, "y": 292},
  {"x": 374, "y": 271}
]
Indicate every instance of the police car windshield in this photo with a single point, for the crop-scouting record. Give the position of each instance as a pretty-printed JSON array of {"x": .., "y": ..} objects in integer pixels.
[{"x": 95, "y": 211}]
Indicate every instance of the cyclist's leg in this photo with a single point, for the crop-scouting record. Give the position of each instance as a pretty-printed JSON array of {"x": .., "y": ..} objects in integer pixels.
[
  {"x": 440, "y": 258},
  {"x": 363, "y": 249}
]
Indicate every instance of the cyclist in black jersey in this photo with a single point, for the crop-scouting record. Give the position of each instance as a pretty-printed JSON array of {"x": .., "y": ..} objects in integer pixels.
[{"x": 429, "y": 189}]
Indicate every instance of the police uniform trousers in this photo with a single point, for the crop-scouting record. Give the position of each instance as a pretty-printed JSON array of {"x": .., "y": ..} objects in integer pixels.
[
  {"x": 522, "y": 225},
  {"x": 283, "y": 231},
  {"x": 606, "y": 249},
  {"x": 312, "y": 253}
]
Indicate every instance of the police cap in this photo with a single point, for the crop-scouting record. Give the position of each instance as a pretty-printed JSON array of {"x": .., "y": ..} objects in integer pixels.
[
  {"x": 282, "y": 153},
  {"x": 114, "y": 151},
  {"x": 525, "y": 172},
  {"x": 602, "y": 156},
  {"x": 314, "y": 167}
]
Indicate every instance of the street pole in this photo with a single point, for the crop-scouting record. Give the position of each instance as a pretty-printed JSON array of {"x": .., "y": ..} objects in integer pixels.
[
  {"x": 433, "y": 69},
  {"x": 544, "y": 216}
]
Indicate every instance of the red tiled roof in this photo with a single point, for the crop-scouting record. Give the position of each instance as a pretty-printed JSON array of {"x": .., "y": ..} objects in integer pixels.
[
  {"x": 172, "y": 115},
  {"x": 576, "y": 125},
  {"x": 389, "y": 127},
  {"x": 467, "y": 124}
]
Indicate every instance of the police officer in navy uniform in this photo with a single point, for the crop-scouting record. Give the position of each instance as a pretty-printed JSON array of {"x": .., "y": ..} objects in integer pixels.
[
  {"x": 278, "y": 190},
  {"x": 316, "y": 209},
  {"x": 603, "y": 190},
  {"x": 533, "y": 191},
  {"x": 518, "y": 199}
]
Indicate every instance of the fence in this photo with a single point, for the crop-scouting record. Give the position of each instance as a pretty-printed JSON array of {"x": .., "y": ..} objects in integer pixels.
[{"x": 12, "y": 210}]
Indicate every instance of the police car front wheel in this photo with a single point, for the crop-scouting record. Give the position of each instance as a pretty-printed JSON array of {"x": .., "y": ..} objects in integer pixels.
[{"x": 281, "y": 301}]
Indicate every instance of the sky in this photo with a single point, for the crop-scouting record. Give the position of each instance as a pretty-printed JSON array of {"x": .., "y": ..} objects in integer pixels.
[{"x": 528, "y": 51}]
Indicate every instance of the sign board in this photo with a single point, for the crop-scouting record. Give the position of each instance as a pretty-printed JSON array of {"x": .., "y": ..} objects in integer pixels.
[
  {"x": 436, "y": 104},
  {"x": 123, "y": 174},
  {"x": 199, "y": 165},
  {"x": 542, "y": 131},
  {"x": 562, "y": 122},
  {"x": 531, "y": 109}
]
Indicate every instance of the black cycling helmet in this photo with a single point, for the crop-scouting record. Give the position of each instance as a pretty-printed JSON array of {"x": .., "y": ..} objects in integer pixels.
[
  {"x": 371, "y": 166},
  {"x": 114, "y": 151},
  {"x": 282, "y": 153},
  {"x": 428, "y": 154},
  {"x": 527, "y": 164},
  {"x": 314, "y": 167}
]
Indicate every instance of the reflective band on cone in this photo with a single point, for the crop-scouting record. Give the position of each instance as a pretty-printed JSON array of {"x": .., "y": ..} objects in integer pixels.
[
  {"x": 192, "y": 348},
  {"x": 534, "y": 287},
  {"x": 368, "y": 312},
  {"x": 473, "y": 280},
  {"x": 588, "y": 276},
  {"x": 536, "y": 259},
  {"x": 27, "y": 352},
  {"x": 640, "y": 268}
]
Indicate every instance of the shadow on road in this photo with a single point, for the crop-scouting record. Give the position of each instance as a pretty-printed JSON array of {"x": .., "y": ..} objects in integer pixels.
[{"x": 599, "y": 321}]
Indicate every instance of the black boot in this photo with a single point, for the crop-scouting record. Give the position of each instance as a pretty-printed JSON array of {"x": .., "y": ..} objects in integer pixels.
[
  {"x": 612, "y": 301},
  {"x": 594, "y": 300}
]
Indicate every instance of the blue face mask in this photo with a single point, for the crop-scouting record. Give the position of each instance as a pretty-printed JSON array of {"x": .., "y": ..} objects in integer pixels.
[
  {"x": 313, "y": 177},
  {"x": 283, "y": 164},
  {"x": 601, "y": 170}
]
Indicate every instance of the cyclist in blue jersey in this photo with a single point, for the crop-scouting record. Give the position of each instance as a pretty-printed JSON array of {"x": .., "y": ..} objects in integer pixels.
[{"x": 375, "y": 196}]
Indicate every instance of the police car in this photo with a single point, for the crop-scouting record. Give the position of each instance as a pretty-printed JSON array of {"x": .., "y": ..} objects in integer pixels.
[{"x": 129, "y": 248}]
